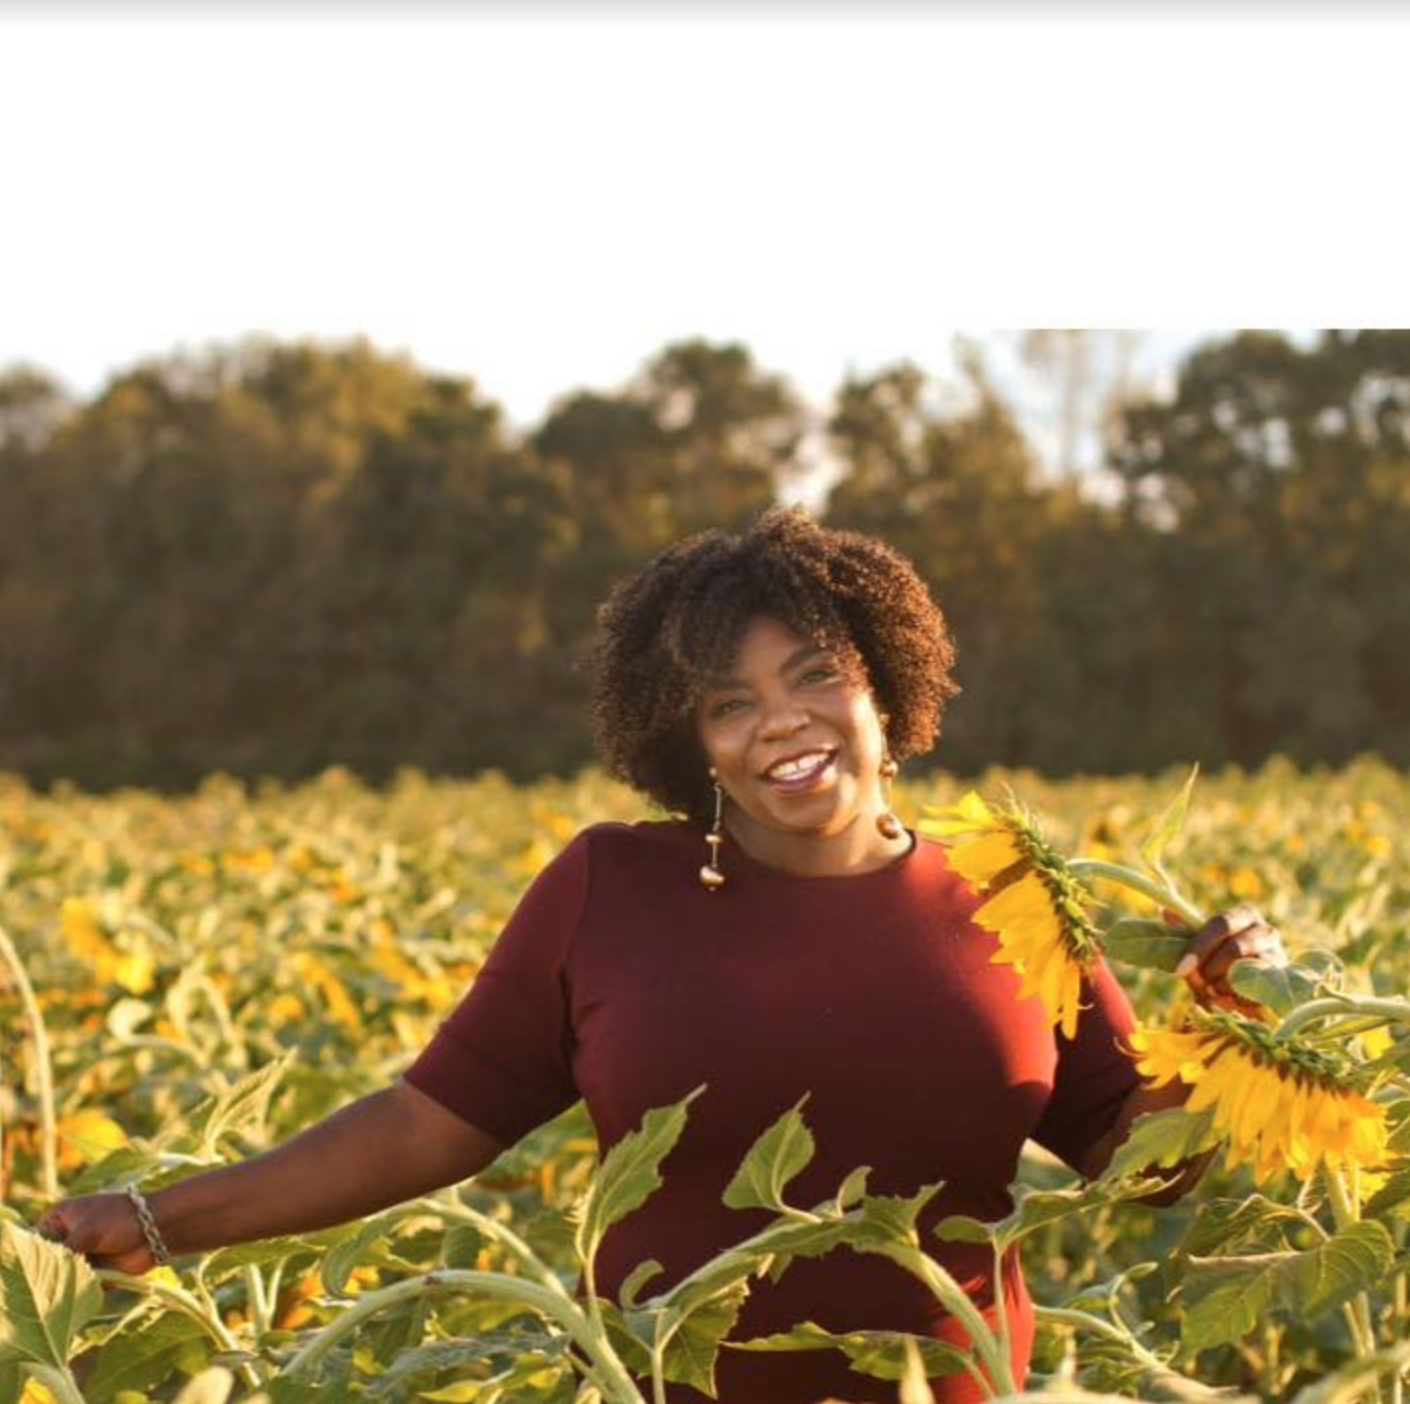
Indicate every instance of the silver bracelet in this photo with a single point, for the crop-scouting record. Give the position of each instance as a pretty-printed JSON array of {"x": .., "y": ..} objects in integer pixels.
[{"x": 160, "y": 1256}]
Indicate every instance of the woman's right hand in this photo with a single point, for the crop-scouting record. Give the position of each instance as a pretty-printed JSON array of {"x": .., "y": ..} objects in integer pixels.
[{"x": 101, "y": 1227}]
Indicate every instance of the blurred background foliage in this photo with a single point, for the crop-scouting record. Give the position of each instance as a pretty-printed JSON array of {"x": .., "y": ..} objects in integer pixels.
[{"x": 267, "y": 558}]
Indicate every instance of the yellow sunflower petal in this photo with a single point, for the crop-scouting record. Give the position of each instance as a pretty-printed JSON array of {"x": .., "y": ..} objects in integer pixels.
[
  {"x": 971, "y": 815},
  {"x": 982, "y": 859}
]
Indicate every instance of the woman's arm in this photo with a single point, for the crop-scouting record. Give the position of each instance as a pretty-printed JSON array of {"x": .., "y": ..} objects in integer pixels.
[{"x": 384, "y": 1149}]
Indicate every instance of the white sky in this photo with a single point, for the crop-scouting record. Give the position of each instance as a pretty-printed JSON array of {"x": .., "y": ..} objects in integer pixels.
[{"x": 544, "y": 202}]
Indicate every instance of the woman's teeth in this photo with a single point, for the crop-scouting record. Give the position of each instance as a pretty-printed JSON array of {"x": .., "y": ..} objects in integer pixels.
[{"x": 800, "y": 767}]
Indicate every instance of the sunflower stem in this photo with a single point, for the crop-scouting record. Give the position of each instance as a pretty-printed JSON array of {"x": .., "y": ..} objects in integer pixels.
[
  {"x": 43, "y": 1066},
  {"x": 1119, "y": 873},
  {"x": 1357, "y": 1006},
  {"x": 1344, "y": 1213}
]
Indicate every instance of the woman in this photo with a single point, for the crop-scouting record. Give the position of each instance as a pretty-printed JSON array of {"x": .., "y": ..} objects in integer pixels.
[{"x": 788, "y": 936}]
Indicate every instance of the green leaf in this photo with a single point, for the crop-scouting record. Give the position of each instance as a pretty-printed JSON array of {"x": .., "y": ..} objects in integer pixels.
[
  {"x": 461, "y": 1246},
  {"x": 397, "y": 1329},
  {"x": 690, "y": 1354},
  {"x": 880, "y": 1354},
  {"x": 887, "y": 1219},
  {"x": 245, "y": 1105},
  {"x": 961, "y": 1228},
  {"x": 1392, "y": 1200},
  {"x": 1162, "y": 1139},
  {"x": 1039, "y": 1208},
  {"x": 1398, "y": 1124},
  {"x": 630, "y": 1173},
  {"x": 1279, "y": 988},
  {"x": 1228, "y": 1223},
  {"x": 852, "y": 1189},
  {"x": 1170, "y": 824},
  {"x": 629, "y": 1333},
  {"x": 1035, "y": 1210},
  {"x": 142, "y": 1356},
  {"x": 1226, "y": 1297},
  {"x": 1150, "y": 945},
  {"x": 128, "y": 1165},
  {"x": 225, "y": 1262},
  {"x": 524, "y": 1349},
  {"x": 47, "y": 1295},
  {"x": 348, "y": 1253},
  {"x": 635, "y": 1280},
  {"x": 1354, "y": 1260},
  {"x": 773, "y": 1160},
  {"x": 1102, "y": 1296}
]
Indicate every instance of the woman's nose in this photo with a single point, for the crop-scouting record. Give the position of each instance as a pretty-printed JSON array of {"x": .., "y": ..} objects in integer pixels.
[{"x": 782, "y": 719}]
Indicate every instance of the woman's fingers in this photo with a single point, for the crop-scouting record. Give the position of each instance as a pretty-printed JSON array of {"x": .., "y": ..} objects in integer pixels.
[
  {"x": 1257, "y": 943},
  {"x": 102, "y": 1228},
  {"x": 1241, "y": 933}
]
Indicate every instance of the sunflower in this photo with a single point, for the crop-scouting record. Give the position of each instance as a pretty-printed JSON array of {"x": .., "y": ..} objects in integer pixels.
[
  {"x": 1281, "y": 1105},
  {"x": 1036, "y": 908}
]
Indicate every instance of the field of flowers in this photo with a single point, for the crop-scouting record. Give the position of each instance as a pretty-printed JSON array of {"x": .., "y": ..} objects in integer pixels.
[{"x": 187, "y": 981}]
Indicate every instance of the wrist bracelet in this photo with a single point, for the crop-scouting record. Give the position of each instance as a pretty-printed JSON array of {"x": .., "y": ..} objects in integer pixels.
[{"x": 158, "y": 1248}]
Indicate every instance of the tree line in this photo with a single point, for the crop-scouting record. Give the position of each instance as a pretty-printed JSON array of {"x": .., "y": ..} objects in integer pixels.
[{"x": 268, "y": 558}]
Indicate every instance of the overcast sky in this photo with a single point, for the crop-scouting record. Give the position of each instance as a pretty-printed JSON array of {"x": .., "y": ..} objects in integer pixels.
[{"x": 542, "y": 202}]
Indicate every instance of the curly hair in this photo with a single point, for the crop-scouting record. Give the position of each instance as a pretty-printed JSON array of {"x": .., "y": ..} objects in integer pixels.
[{"x": 679, "y": 620}]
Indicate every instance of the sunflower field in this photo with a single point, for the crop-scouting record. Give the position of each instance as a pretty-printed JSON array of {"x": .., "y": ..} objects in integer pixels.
[{"x": 187, "y": 981}]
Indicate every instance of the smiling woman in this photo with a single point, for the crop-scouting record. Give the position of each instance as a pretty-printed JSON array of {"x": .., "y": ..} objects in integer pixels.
[{"x": 761, "y": 689}]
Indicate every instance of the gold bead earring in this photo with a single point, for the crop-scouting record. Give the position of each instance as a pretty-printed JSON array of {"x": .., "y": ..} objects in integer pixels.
[
  {"x": 887, "y": 823},
  {"x": 710, "y": 875}
]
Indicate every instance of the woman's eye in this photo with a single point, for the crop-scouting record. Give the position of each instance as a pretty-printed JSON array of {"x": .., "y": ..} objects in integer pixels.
[
  {"x": 723, "y": 709},
  {"x": 819, "y": 674}
]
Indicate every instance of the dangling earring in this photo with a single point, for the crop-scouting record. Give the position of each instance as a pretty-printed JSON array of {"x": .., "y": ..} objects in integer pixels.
[
  {"x": 710, "y": 874},
  {"x": 887, "y": 823}
]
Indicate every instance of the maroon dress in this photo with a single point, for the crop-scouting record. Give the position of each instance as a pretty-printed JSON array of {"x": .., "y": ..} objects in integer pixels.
[{"x": 622, "y": 981}]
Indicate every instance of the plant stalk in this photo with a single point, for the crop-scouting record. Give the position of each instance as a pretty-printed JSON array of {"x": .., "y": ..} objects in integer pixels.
[
  {"x": 205, "y": 1314},
  {"x": 993, "y": 1353},
  {"x": 1344, "y": 1214},
  {"x": 43, "y": 1067},
  {"x": 1137, "y": 882},
  {"x": 1361, "y": 1006},
  {"x": 556, "y": 1305}
]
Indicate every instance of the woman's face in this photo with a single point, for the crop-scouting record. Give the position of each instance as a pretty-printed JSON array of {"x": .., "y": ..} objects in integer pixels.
[{"x": 793, "y": 734}]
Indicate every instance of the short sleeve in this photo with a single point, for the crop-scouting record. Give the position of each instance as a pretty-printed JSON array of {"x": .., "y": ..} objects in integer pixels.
[
  {"x": 1094, "y": 1077},
  {"x": 503, "y": 1059}
]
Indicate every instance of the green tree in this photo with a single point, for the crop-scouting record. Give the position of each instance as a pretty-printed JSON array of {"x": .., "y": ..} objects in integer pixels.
[{"x": 1279, "y": 480}]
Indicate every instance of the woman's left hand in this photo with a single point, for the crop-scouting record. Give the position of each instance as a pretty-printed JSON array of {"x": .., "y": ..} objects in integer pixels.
[{"x": 1241, "y": 933}]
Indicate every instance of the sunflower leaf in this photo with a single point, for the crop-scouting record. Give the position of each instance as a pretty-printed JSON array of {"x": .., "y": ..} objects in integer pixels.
[
  {"x": 1149, "y": 945},
  {"x": 1169, "y": 825},
  {"x": 245, "y": 1106},
  {"x": 1280, "y": 988},
  {"x": 1227, "y": 1297},
  {"x": 1164, "y": 1139},
  {"x": 144, "y": 1355},
  {"x": 690, "y": 1356},
  {"x": 1354, "y": 1260},
  {"x": 630, "y": 1173},
  {"x": 47, "y": 1296},
  {"x": 1224, "y": 1223},
  {"x": 1392, "y": 1200},
  {"x": 880, "y": 1354},
  {"x": 773, "y": 1160}
]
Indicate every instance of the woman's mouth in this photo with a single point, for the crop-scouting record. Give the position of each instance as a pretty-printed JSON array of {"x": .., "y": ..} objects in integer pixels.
[{"x": 800, "y": 773}]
